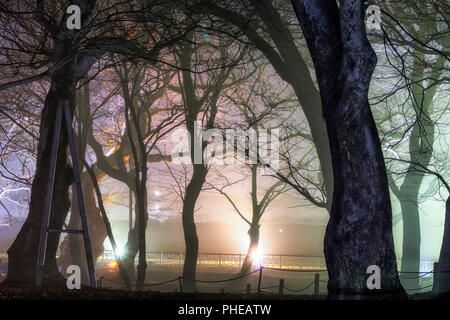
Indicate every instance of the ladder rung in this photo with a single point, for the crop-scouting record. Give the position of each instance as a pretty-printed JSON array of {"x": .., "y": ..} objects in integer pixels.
[{"x": 65, "y": 230}]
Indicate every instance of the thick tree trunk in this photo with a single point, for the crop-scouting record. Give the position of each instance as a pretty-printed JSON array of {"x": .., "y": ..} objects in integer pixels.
[
  {"x": 190, "y": 231},
  {"x": 359, "y": 232},
  {"x": 444, "y": 256},
  {"x": 22, "y": 255}
]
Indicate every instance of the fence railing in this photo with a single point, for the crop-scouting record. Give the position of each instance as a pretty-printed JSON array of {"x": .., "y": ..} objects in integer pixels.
[
  {"x": 229, "y": 261},
  {"x": 314, "y": 283},
  {"x": 259, "y": 288},
  {"x": 235, "y": 261}
]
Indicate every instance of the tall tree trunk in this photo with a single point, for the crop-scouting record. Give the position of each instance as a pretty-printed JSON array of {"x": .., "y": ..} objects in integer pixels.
[
  {"x": 253, "y": 232},
  {"x": 359, "y": 232},
  {"x": 143, "y": 218},
  {"x": 411, "y": 229},
  {"x": 190, "y": 231},
  {"x": 420, "y": 150},
  {"x": 22, "y": 255}
]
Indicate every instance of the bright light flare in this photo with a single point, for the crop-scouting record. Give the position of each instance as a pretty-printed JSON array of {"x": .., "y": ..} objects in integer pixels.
[
  {"x": 112, "y": 265},
  {"x": 257, "y": 257},
  {"x": 120, "y": 250}
]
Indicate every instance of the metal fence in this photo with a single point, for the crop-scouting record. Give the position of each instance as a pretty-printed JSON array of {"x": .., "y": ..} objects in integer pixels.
[
  {"x": 222, "y": 261},
  {"x": 256, "y": 281},
  {"x": 229, "y": 262}
]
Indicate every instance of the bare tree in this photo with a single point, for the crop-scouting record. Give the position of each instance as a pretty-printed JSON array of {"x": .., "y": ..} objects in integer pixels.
[
  {"x": 359, "y": 232},
  {"x": 145, "y": 127},
  {"x": 409, "y": 122},
  {"x": 270, "y": 27},
  {"x": 67, "y": 56},
  {"x": 206, "y": 69}
]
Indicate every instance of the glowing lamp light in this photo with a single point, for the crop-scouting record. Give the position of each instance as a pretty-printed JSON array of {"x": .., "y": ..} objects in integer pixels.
[
  {"x": 257, "y": 258},
  {"x": 157, "y": 193},
  {"x": 112, "y": 265}
]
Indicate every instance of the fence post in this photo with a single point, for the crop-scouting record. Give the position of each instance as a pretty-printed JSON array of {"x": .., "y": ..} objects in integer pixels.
[
  {"x": 316, "y": 284},
  {"x": 259, "y": 279},
  {"x": 280, "y": 289},
  {"x": 249, "y": 288},
  {"x": 181, "y": 284},
  {"x": 436, "y": 279}
]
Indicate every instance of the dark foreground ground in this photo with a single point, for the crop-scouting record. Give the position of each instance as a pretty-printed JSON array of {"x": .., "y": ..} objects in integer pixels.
[
  {"x": 35, "y": 293},
  {"x": 106, "y": 294},
  {"x": 120, "y": 304}
]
